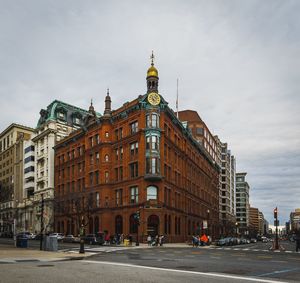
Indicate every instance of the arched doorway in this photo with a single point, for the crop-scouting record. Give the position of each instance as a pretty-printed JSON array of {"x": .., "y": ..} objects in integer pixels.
[
  {"x": 119, "y": 224},
  {"x": 153, "y": 225},
  {"x": 96, "y": 224}
]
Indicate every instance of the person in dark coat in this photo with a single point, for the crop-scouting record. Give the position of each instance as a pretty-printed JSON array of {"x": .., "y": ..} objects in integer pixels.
[{"x": 298, "y": 242}]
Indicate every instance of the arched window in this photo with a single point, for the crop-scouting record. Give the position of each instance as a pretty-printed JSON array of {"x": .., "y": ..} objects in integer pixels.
[
  {"x": 106, "y": 158},
  {"x": 152, "y": 193},
  {"x": 96, "y": 224},
  {"x": 132, "y": 224},
  {"x": 91, "y": 230},
  {"x": 119, "y": 224}
]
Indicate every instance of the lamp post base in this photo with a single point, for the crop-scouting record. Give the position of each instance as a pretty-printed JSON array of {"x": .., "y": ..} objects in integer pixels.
[{"x": 81, "y": 250}]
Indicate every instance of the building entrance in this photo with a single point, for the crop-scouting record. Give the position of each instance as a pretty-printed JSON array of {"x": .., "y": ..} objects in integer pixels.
[{"x": 153, "y": 225}]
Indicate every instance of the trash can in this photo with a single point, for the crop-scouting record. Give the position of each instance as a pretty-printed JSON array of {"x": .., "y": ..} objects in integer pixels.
[
  {"x": 126, "y": 242},
  {"x": 23, "y": 243}
]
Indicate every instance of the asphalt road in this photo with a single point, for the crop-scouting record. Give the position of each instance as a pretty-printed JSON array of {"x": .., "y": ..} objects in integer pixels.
[
  {"x": 242, "y": 263},
  {"x": 249, "y": 263}
]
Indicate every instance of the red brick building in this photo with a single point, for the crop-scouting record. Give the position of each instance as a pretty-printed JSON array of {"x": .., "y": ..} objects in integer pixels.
[{"x": 136, "y": 158}]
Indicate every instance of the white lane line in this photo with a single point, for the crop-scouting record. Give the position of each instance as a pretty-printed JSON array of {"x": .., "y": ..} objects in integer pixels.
[
  {"x": 185, "y": 271},
  {"x": 278, "y": 272},
  {"x": 288, "y": 251}
]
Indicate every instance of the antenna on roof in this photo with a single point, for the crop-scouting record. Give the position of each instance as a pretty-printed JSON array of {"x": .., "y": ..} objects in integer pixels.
[{"x": 177, "y": 100}]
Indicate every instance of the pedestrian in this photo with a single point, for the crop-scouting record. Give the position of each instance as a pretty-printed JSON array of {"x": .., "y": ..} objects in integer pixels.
[
  {"x": 149, "y": 240},
  {"x": 161, "y": 240},
  {"x": 121, "y": 239},
  {"x": 156, "y": 240},
  {"x": 130, "y": 240},
  {"x": 298, "y": 242}
]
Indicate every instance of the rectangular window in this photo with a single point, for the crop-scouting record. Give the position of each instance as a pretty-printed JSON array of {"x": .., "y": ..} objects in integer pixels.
[
  {"x": 134, "y": 148},
  {"x": 97, "y": 157},
  {"x": 134, "y": 127},
  {"x": 29, "y": 148},
  {"x": 152, "y": 165},
  {"x": 133, "y": 168},
  {"x": 97, "y": 200},
  {"x": 29, "y": 158},
  {"x": 97, "y": 177},
  {"x": 119, "y": 197},
  {"x": 134, "y": 195},
  {"x": 91, "y": 178},
  {"x": 97, "y": 138}
]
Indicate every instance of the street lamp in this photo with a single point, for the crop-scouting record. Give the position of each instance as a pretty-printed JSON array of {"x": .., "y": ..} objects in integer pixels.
[
  {"x": 81, "y": 250},
  {"x": 208, "y": 211}
]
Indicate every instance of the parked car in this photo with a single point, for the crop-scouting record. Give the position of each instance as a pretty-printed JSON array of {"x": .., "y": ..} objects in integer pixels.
[
  {"x": 71, "y": 239},
  {"x": 221, "y": 242},
  {"x": 22, "y": 235},
  {"x": 253, "y": 240},
  {"x": 59, "y": 236},
  {"x": 90, "y": 239},
  {"x": 30, "y": 235}
]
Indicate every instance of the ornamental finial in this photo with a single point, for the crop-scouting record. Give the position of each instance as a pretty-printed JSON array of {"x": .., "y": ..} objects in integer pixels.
[{"x": 152, "y": 58}]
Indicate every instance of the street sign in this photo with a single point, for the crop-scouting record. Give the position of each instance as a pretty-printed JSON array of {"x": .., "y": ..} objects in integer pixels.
[
  {"x": 204, "y": 223},
  {"x": 276, "y": 222}
]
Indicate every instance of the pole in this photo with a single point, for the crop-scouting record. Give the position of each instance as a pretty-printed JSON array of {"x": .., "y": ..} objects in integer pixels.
[
  {"x": 276, "y": 239},
  {"x": 42, "y": 223},
  {"x": 81, "y": 249}
]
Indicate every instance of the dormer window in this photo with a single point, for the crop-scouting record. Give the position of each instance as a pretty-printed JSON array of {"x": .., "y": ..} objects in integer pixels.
[
  {"x": 77, "y": 121},
  {"x": 61, "y": 115}
]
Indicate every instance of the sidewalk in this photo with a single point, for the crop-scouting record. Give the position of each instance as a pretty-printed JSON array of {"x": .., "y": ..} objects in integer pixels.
[{"x": 12, "y": 254}]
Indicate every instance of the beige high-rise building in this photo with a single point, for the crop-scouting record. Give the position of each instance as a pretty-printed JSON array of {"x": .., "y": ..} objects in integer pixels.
[
  {"x": 242, "y": 203},
  {"x": 11, "y": 176},
  {"x": 227, "y": 188}
]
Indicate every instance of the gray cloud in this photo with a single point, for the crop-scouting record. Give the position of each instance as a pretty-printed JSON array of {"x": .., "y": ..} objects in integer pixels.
[{"x": 237, "y": 64}]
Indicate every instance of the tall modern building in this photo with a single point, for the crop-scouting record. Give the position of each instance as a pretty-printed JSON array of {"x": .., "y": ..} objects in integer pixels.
[
  {"x": 242, "y": 203},
  {"x": 227, "y": 184},
  {"x": 136, "y": 162},
  {"x": 12, "y": 141},
  {"x": 55, "y": 123}
]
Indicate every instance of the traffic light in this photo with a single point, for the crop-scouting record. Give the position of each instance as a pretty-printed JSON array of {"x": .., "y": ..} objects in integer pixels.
[
  {"x": 275, "y": 213},
  {"x": 137, "y": 217}
]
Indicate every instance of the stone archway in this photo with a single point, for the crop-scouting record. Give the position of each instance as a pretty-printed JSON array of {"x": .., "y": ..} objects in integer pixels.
[{"x": 153, "y": 225}]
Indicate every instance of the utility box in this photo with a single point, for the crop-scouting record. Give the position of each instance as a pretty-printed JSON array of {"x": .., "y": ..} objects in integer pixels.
[{"x": 50, "y": 243}]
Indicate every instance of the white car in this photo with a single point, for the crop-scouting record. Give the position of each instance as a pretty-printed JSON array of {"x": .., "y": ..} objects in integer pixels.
[{"x": 59, "y": 236}]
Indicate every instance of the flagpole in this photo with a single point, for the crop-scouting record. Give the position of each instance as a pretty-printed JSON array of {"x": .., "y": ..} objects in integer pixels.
[{"x": 177, "y": 100}]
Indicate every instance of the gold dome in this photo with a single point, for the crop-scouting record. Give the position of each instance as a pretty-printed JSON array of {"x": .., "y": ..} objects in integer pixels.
[{"x": 152, "y": 72}]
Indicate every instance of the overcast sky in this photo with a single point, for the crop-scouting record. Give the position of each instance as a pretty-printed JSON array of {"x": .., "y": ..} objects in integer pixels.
[{"x": 237, "y": 62}]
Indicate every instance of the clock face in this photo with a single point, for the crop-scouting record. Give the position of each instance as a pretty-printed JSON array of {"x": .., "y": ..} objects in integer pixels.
[{"x": 153, "y": 98}]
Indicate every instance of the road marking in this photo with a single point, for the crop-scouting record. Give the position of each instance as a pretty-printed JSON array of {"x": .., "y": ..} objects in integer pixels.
[
  {"x": 215, "y": 257},
  {"x": 185, "y": 271},
  {"x": 278, "y": 272},
  {"x": 263, "y": 256}
]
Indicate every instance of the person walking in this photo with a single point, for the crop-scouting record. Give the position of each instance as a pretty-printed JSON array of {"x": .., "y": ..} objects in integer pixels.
[
  {"x": 298, "y": 242},
  {"x": 149, "y": 240}
]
